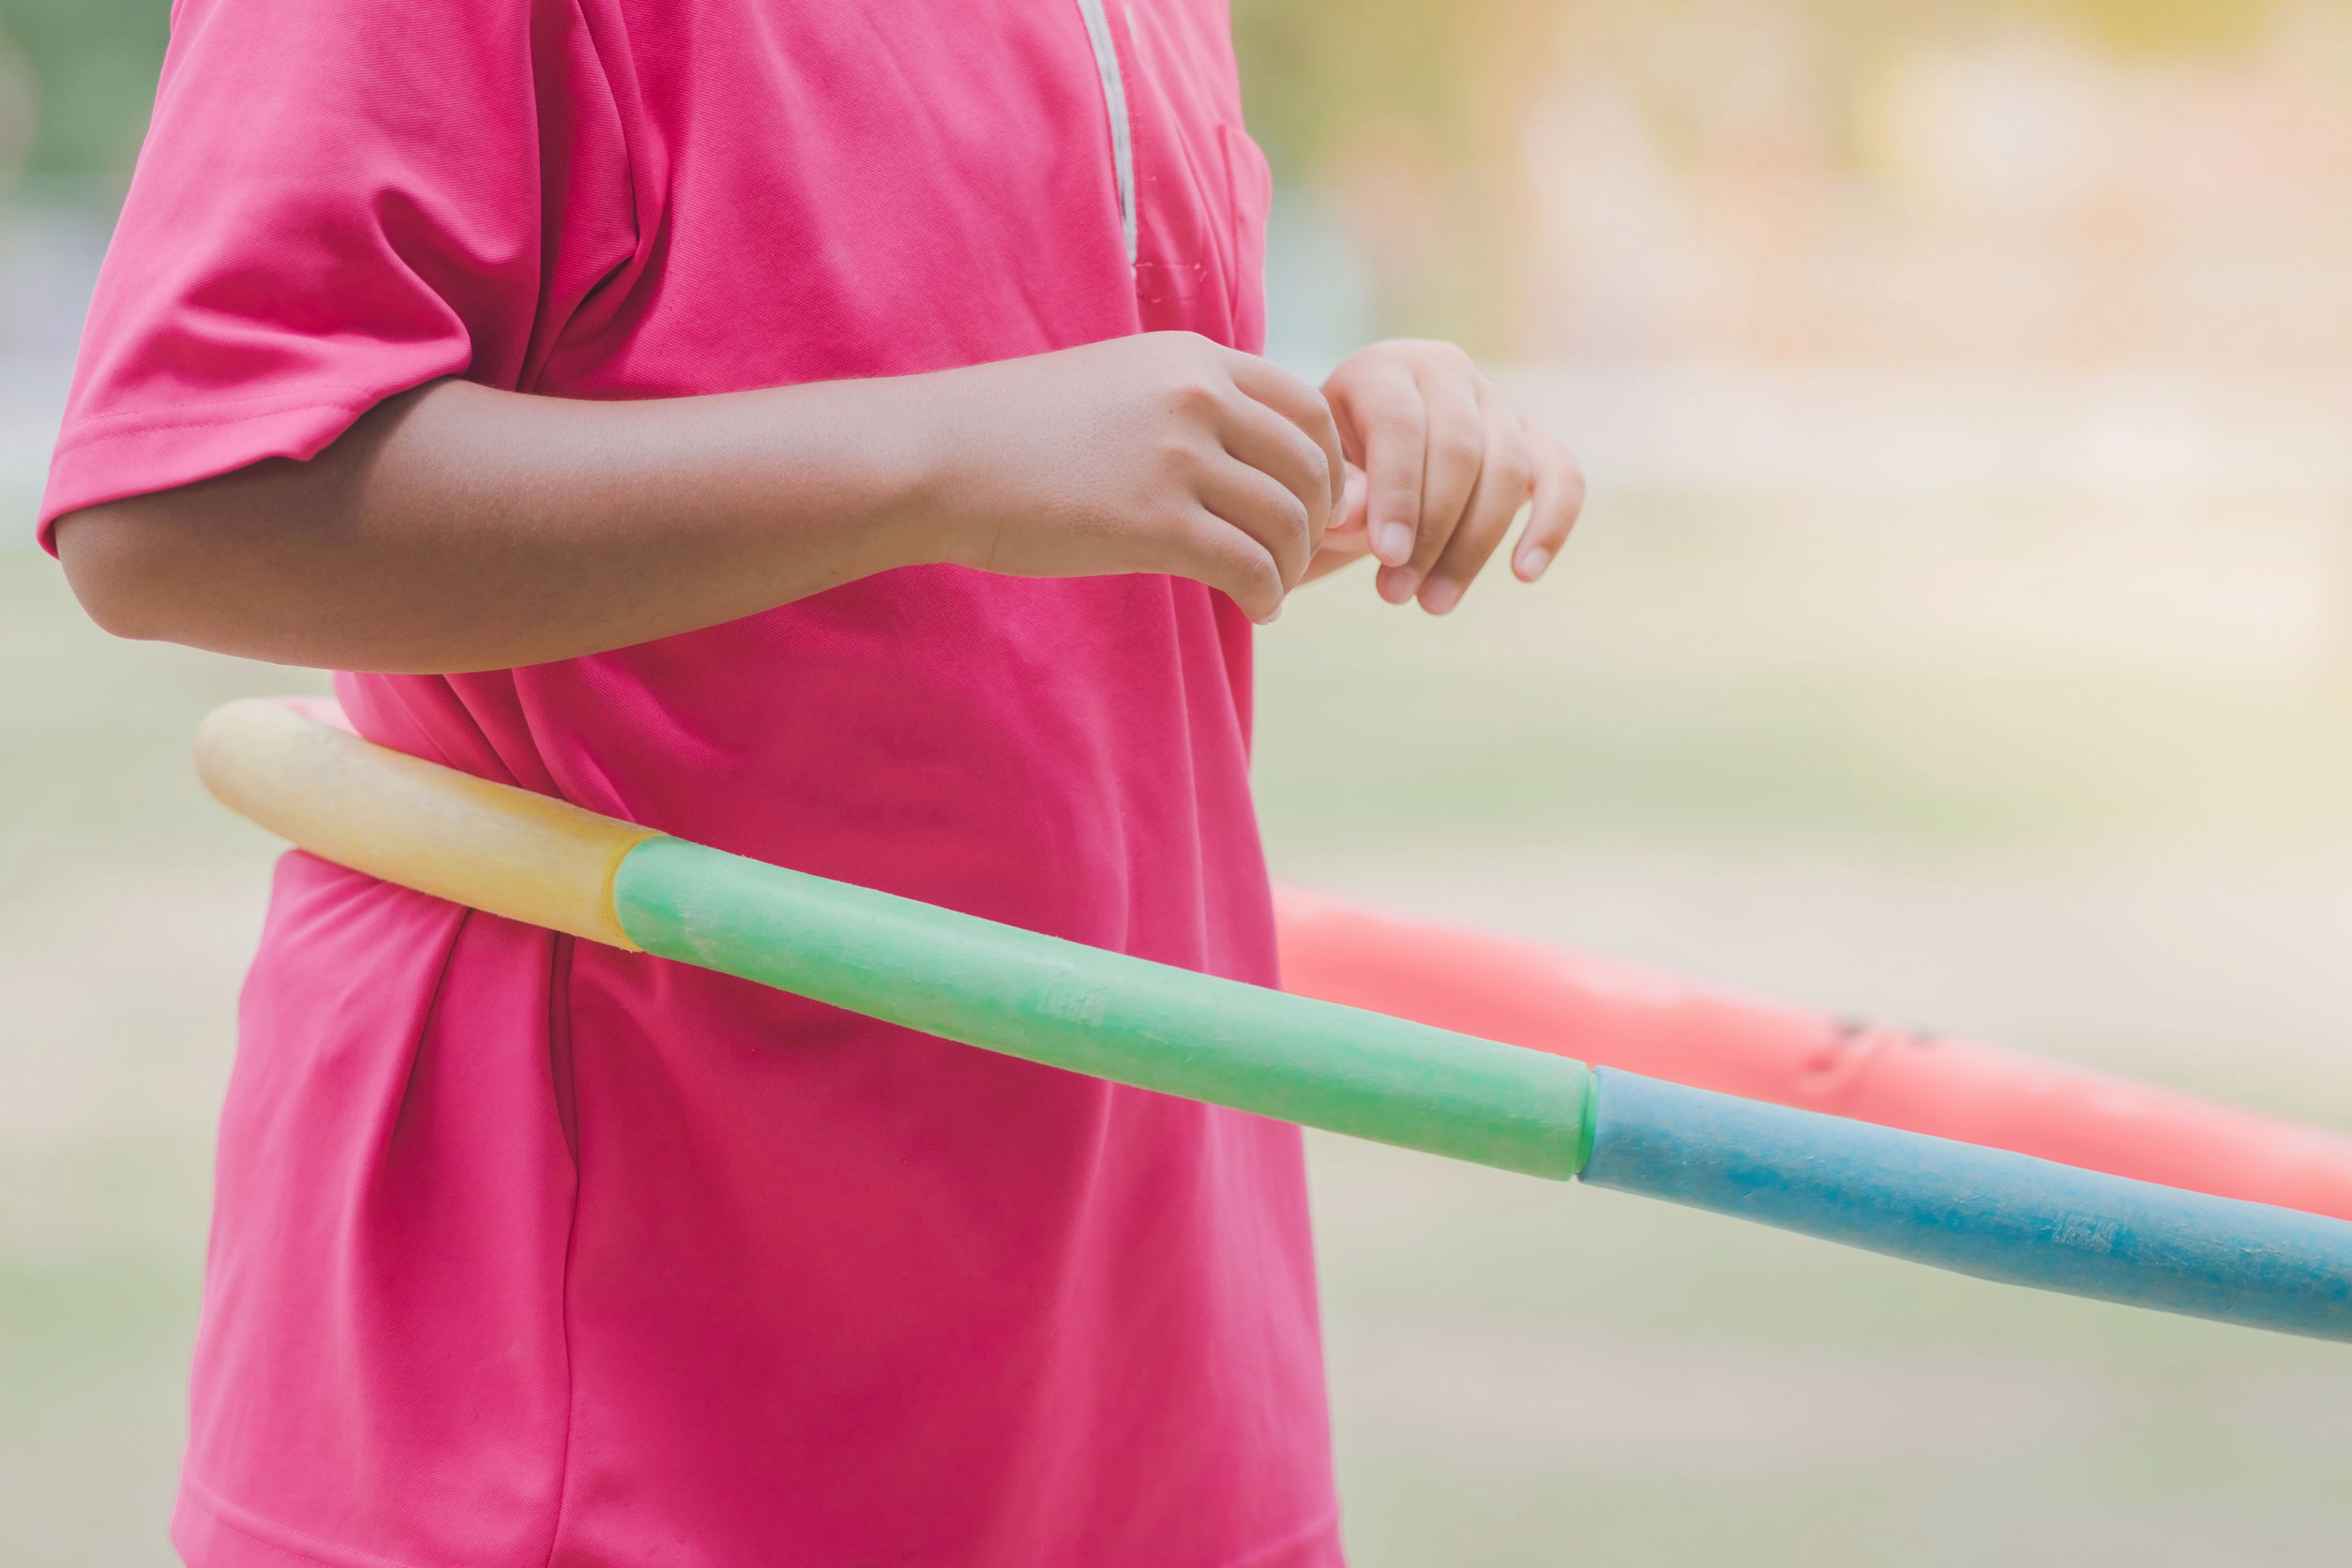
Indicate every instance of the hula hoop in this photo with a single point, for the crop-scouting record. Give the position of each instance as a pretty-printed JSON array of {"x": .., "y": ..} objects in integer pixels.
[{"x": 1988, "y": 1212}]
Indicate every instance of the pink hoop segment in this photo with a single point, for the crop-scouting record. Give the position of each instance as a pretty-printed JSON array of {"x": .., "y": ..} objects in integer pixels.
[{"x": 1615, "y": 1015}]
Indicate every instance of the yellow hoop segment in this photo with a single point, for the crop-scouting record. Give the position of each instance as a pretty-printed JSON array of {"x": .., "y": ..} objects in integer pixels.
[{"x": 488, "y": 846}]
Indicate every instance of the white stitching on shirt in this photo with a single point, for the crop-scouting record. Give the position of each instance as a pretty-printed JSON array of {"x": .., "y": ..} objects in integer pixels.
[{"x": 1115, "y": 100}]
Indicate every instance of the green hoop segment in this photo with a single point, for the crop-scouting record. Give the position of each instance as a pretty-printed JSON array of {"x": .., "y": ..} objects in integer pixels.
[{"x": 1108, "y": 1014}]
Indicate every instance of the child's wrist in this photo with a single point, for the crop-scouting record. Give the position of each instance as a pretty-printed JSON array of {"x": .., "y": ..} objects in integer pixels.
[
  {"x": 927, "y": 475},
  {"x": 873, "y": 450}
]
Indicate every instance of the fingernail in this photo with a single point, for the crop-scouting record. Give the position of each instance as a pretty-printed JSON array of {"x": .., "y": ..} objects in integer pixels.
[
  {"x": 1398, "y": 584},
  {"x": 1533, "y": 562},
  {"x": 1272, "y": 616},
  {"x": 1394, "y": 544},
  {"x": 1441, "y": 596}
]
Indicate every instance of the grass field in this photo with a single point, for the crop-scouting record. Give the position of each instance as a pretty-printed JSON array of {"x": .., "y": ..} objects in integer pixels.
[{"x": 2074, "y": 775}]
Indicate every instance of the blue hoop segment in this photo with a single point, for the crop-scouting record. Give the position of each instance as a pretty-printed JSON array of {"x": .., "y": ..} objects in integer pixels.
[{"x": 1983, "y": 1211}]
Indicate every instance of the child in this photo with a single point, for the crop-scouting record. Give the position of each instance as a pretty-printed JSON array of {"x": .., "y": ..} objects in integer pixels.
[{"x": 826, "y": 429}]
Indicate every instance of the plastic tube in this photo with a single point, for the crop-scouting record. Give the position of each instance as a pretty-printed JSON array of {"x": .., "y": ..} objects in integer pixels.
[
  {"x": 2001, "y": 1216},
  {"x": 1983, "y": 1211},
  {"x": 1106, "y": 1014},
  {"x": 1617, "y": 1014}
]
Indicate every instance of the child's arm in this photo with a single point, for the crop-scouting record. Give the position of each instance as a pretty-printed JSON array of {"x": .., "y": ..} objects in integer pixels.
[{"x": 457, "y": 527}]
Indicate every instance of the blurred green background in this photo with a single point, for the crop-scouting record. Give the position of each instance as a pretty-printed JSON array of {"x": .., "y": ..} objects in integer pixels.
[{"x": 1961, "y": 635}]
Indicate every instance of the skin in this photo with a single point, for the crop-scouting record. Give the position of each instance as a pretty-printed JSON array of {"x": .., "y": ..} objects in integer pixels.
[
  {"x": 1447, "y": 464},
  {"x": 457, "y": 527}
]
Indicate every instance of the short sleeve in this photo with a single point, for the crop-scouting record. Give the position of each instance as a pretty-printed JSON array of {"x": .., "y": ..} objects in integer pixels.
[{"x": 336, "y": 201}]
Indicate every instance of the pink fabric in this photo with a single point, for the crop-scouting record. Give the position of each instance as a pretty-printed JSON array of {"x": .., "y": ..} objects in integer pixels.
[{"x": 529, "y": 1252}]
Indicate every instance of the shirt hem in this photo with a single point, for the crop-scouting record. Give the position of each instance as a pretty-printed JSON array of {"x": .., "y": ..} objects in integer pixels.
[
  {"x": 210, "y": 1531},
  {"x": 207, "y": 412},
  {"x": 114, "y": 457},
  {"x": 1289, "y": 1548}
]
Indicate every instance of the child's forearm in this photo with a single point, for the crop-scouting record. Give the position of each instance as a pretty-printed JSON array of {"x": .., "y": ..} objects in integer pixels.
[{"x": 459, "y": 527}]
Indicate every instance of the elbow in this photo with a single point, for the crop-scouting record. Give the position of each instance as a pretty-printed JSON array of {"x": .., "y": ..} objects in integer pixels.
[{"x": 117, "y": 570}]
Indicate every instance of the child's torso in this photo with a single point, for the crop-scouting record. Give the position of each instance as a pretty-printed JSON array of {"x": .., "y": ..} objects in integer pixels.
[
  {"x": 761, "y": 194},
  {"x": 528, "y": 1252}
]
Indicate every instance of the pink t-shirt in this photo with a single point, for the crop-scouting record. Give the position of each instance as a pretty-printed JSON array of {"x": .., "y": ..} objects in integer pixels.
[{"x": 533, "y": 1252}]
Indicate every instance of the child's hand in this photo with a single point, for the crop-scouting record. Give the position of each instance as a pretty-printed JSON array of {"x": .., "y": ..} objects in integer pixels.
[
  {"x": 1437, "y": 466},
  {"x": 1159, "y": 453}
]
